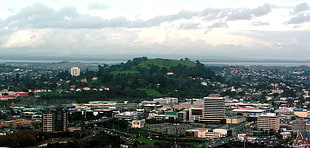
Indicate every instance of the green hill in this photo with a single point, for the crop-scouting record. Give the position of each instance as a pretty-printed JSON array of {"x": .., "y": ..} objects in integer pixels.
[
  {"x": 143, "y": 78},
  {"x": 136, "y": 65},
  {"x": 166, "y": 63}
]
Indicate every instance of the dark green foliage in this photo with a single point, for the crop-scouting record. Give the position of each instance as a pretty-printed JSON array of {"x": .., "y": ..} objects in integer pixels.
[
  {"x": 98, "y": 141},
  {"x": 20, "y": 138}
]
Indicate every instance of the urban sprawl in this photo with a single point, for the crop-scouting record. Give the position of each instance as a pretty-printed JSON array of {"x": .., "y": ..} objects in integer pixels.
[{"x": 251, "y": 106}]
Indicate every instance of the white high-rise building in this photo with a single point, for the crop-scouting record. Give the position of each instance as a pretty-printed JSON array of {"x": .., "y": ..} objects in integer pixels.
[
  {"x": 75, "y": 71},
  {"x": 214, "y": 109}
]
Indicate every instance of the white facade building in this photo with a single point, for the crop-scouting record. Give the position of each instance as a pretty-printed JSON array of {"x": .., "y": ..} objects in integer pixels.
[
  {"x": 75, "y": 71},
  {"x": 214, "y": 109},
  {"x": 165, "y": 101}
]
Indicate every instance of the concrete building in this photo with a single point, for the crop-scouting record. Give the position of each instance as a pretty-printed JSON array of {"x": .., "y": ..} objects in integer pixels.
[
  {"x": 207, "y": 133},
  {"x": 214, "y": 109},
  {"x": 195, "y": 114},
  {"x": 165, "y": 101},
  {"x": 248, "y": 112},
  {"x": 235, "y": 120},
  {"x": 75, "y": 71},
  {"x": 197, "y": 132},
  {"x": 173, "y": 128},
  {"x": 126, "y": 106},
  {"x": 183, "y": 116},
  {"x": 269, "y": 121},
  {"x": 301, "y": 113},
  {"x": 300, "y": 125},
  {"x": 54, "y": 120}
]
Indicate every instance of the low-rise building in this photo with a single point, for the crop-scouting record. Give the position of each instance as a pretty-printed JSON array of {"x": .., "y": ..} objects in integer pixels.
[
  {"x": 207, "y": 133},
  {"x": 235, "y": 120},
  {"x": 300, "y": 125},
  {"x": 138, "y": 123},
  {"x": 173, "y": 128},
  {"x": 165, "y": 101}
]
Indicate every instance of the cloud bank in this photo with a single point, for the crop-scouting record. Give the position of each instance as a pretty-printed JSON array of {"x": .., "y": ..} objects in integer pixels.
[{"x": 246, "y": 32}]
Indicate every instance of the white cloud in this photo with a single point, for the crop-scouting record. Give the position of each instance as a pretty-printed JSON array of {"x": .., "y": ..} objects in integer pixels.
[
  {"x": 25, "y": 38},
  {"x": 120, "y": 27}
]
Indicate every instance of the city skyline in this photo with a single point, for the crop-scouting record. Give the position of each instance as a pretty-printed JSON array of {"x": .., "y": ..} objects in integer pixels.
[{"x": 241, "y": 29}]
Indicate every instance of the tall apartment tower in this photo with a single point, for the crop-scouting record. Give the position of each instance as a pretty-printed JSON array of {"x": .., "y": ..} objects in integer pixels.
[
  {"x": 54, "y": 120},
  {"x": 75, "y": 71},
  {"x": 269, "y": 121},
  {"x": 214, "y": 109}
]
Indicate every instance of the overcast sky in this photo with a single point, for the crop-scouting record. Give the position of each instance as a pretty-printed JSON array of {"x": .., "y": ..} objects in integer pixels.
[{"x": 277, "y": 29}]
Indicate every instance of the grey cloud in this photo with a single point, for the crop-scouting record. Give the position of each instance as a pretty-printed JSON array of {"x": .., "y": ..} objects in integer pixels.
[
  {"x": 301, "y": 7},
  {"x": 189, "y": 26},
  {"x": 68, "y": 12},
  {"x": 36, "y": 16},
  {"x": 169, "y": 18},
  {"x": 300, "y": 18},
  {"x": 259, "y": 23},
  {"x": 262, "y": 10},
  {"x": 210, "y": 13},
  {"x": 219, "y": 25},
  {"x": 247, "y": 14},
  {"x": 32, "y": 14},
  {"x": 96, "y": 6},
  {"x": 241, "y": 14},
  {"x": 301, "y": 14},
  {"x": 42, "y": 16}
]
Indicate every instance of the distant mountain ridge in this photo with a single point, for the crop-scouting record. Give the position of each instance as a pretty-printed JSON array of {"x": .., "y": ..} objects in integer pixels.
[{"x": 66, "y": 64}]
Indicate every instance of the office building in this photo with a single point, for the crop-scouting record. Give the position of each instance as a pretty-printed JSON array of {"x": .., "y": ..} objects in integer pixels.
[
  {"x": 269, "y": 121},
  {"x": 75, "y": 71},
  {"x": 214, "y": 109}
]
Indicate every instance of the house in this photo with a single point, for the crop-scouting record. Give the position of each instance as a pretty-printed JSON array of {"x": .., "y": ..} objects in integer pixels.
[{"x": 302, "y": 139}]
